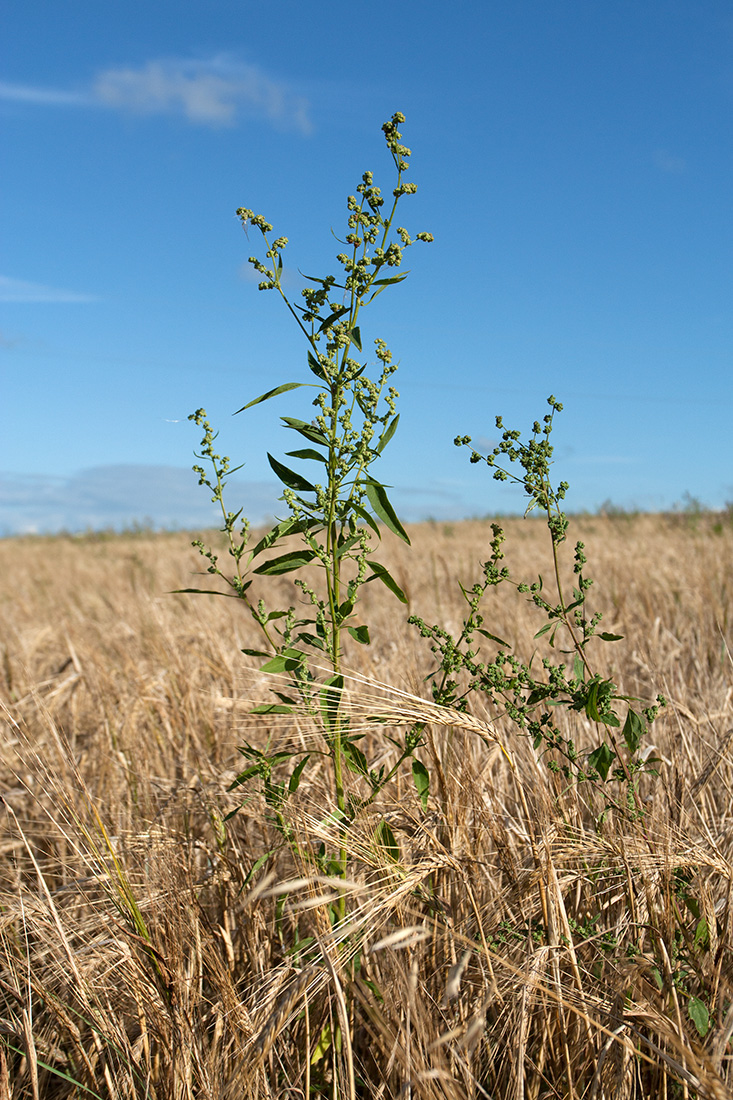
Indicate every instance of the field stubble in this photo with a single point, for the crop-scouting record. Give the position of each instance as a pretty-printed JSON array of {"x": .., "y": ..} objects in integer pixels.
[{"x": 513, "y": 948}]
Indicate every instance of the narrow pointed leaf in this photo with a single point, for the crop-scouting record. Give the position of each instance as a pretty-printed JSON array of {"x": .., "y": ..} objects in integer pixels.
[
  {"x": 331, "y": 700},
  {"x": 279, "y": 531},
  {"x": 203, "y": 592},
  {"x": 289, "y": 477},
  {"x": 633, "y": 731},
  {"x": 355, "y": 335},
  {"x": 422, "y": 781},
  {"x": 332, "y": 318},
  {"x": 356, "y": 761},
  {"x": 601, "y": 760},
  {"x": 286, "y": 563},
  {"x": 316, "y": 367},
  {"x": 388, "y": 433},
  {"x": 368, "y": 519},
  {"x": 377, "y": 497},
  {"x": 380, "y": 572},
  {"x": 297, "y": 773},
  {"x": 309, "y": 431},
  {"x": 271, "y": 393},
  {"x": 307, "y": 452},
  {"x": 271, "y": 708},
  {"x": 384, "y": 836},
  {"x": 287, "y": 661}
]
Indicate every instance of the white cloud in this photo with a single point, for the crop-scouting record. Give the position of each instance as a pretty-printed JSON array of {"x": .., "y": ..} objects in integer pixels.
[
  {"x": 23, "y": 93},
  {"x": 215, "y": 92},
  {"x": 18, "y": 290},
  {"x": 118, "y": 497}
]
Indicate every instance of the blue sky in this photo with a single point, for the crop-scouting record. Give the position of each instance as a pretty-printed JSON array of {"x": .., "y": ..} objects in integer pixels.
[{"x": 574, "y": 162}]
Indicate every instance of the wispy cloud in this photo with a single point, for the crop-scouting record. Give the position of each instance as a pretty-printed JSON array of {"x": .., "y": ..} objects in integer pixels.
[
  {"x": 119, "y": 496},
  {"x": 667, "y": 162},
  {"x": 215, "y": 92},
  {"x": 55, "y": 97},
  {"x": 18, "y": 290}
]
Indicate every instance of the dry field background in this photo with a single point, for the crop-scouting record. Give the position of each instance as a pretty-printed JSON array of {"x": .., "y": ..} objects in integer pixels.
[{"x": 515, "y": 949}]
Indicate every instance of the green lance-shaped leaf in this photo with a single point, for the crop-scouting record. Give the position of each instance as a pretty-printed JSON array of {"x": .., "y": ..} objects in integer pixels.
[
  {"x": 279, "y": 531},
  {"x": 286, "y": 563},
  {"x": 699, "y": 1015},
  {"x": 309, "y": 431},
  {"x": 287, "y": 661},
  {"x": 316, "y": 367},
  {"x": 272, "y": 708},
  {"x": 377, "y": 497},
  {"x": 385, "y": 838},
  {"x": 331, "y": 695},
  {"x": 388, "y": 433},
  {"x": 422, "y": 781},
  {"x": 356, "y": 761},
  {"x": 633, "y": 731},
  {"x": 271, "y": 393},
  {"x": 207, "y": 592},
  {"x": 289, "y": 477},
  {"x": 359, "y": 633},
  {"x": 601, "y": 760},
  {"x": 309, "y": 453},
  {"x": 332, "y": 318},
  {"x": 380, "y": 572},
  {"x": 297, "y": 773},
  {"x": 355, "y": 335}
]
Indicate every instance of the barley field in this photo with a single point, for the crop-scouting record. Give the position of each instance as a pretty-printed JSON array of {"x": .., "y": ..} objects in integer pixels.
[{"x": 512, "y": 943}]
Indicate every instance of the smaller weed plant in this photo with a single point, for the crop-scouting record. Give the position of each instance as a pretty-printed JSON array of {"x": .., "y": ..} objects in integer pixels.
[{"x": 533, "y": 693}]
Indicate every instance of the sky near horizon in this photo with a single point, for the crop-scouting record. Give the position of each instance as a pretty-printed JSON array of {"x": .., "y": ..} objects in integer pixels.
[{"x": 574, "y": 161}]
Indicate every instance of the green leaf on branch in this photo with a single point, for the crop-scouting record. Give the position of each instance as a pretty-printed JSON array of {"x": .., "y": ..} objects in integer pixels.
[
  {"x": 601, "y": 760},
  {"x": 297, "y": 773},
  {"x": 287, "y": 661},
  {"x": 698, "y": 1013},
  {"x": 332, "y": 318},
  {"x": 271, "y": 708},
  {"x": 204, "y": 592},
  {"x": 606, "y": 637},
  {"x": 377, "y": 497},
  {"x": 355, "y": 335},
  {"x": 387, "y": 433},
  {"x": 356, "y": 761},
  {"x": 422, "y": 781},
  {"x": 359, "y": 633},
  {"x": 271, "y": 393},
  {"x": 309, "y": 431},
  {"x": 286, "y": 563},
  {"x": 493, "y": 637},
  {"x": 279, "y": 531},
  {"x": 289, "y": 477},
  {"x": 380, "y": 572},
  {"x": 316, "y": 367},
  {"x": 385, "y": 838},
  {"x": 633, "y": 731},
  {"x": 331, "y": 700},
  {"x": 307, "y": 452}
]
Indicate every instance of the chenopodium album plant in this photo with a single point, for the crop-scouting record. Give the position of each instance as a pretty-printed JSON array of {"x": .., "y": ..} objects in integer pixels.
[
  {"x": 334, "y": 513},
  {"x": 531, "y": 696}
]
